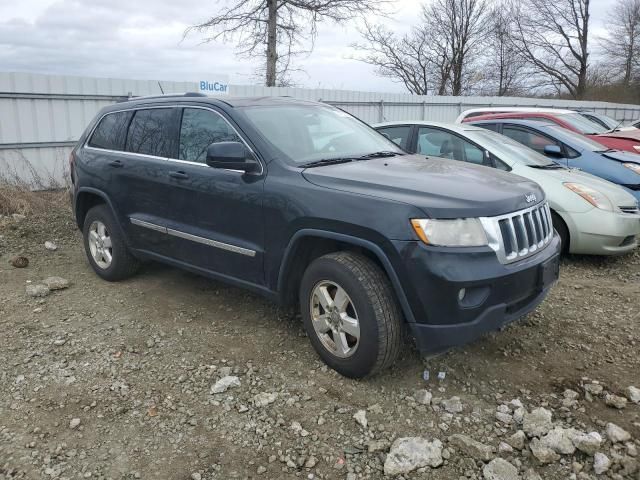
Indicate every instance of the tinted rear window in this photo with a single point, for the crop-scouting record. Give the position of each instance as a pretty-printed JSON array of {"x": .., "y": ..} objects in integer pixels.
[
  {"x": 153, "y": 132},
  {"x": 111, "y": 131}
]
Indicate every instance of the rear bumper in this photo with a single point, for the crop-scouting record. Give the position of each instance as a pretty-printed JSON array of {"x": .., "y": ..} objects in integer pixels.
[
  {"x": 494, "y": 294},
  {"x": 598, "y": 232}
]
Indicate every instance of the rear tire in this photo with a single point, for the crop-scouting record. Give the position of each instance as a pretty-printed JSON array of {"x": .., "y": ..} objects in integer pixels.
[
  {"x": 369, "y": 299},
  {"x": 105, "y": 246},
  {"x": 563, "y": 232}
]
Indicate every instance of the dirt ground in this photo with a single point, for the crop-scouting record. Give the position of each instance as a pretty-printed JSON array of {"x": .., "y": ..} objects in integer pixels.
[{"x": 134, "y": 363}]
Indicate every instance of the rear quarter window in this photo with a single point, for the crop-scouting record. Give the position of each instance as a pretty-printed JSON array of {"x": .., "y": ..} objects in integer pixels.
[{"x": 111, "y": 132}]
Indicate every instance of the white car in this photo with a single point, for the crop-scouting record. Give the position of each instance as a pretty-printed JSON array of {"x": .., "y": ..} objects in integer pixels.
[{"x": 592, "y": 215}]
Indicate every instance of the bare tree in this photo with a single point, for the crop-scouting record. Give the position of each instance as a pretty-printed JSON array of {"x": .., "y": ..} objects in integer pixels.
[
  {"x": 621, "y": 46},
  {"x": 436, "y": 57},
  {"x": 503, "y": 64},
  {"x": 278, "y": 30},
  {"x": 553, "y": 37}
]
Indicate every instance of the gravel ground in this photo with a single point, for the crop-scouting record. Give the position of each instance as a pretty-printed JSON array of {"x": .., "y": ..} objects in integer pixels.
[{"x": 119, "y": 381}]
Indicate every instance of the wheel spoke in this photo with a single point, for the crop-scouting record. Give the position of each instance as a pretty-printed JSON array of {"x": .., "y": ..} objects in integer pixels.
[
  {"x": 102, "y": 230},
  {"x": 350, "y": 325},
  {"x": 325, "y": 298},
  {"x": 106, "y": 242},
  {"x": 341, "y": 300},
  {"x": 93, "y": 236},
  {"x": 340, "y": 340},
  {"x": 320, "y": 323},
  {"x": 106, "y": 254}
]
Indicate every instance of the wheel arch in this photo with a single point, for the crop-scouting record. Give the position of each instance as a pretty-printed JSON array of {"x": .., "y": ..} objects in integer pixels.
[
  {"x": 87, "y": 198},
  {"x": 308, "y": 244},
  {"x": 555, "y": 214}
]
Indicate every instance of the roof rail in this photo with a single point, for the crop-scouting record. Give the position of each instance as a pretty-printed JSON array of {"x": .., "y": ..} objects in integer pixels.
[{"x": 168, "y": 95}]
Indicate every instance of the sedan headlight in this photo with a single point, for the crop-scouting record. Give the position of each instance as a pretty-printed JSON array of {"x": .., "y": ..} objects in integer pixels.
[
  {"x": 462, "y": 232},
  {"x": 633, "y": 166},
  {"x": 594, "y": 197}
]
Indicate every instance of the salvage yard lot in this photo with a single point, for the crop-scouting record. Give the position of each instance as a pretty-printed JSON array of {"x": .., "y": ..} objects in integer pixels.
[{"x": 134, "y": 363}]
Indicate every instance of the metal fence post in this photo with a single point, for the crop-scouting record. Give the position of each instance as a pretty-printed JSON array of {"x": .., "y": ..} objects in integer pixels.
[{"x": 381, "y": 115}]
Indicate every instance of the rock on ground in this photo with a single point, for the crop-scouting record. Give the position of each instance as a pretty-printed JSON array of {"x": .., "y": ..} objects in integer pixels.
[
  {"x": 74, "y": 423},
  {"x": 615, "y": 401},
  {"x": 617, "y": 434},
  {"x": 538, "y": 422},
  {"x": 633, "y": 394},
  {"x": 423, "y": 397},
  {"x": 471, "y": 447},
  {"x": 601, "y": 463},
  {"x": 361, "y": 418},
  {"x": 500, "y": 469},
  {"x": 50, "y": 246},
  {"x": 37, "y": 290},
  {"x": 56, "y": 283},
  {"x": 410, "y": 453},
  {"x": 452, "y": 405},
  {"x": 560, "y": 440},
  {"x": 225, "y": 383},
  {"x": 517, "y": 440},
  {"x": 263, "y": 399},
  {"x": 543, "y": 453},
  {"x": 588, "y": 443}
]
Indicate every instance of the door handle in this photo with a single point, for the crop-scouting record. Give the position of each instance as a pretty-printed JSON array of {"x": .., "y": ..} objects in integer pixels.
[
  {"x": 179, "y": 174},
  {"x": 116, "y": 164}
]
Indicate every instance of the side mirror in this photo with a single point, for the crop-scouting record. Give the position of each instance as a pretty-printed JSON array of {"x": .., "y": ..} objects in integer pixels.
[
  {"x": 553, "y": 151},
  {"x": 231, "y": 156}
]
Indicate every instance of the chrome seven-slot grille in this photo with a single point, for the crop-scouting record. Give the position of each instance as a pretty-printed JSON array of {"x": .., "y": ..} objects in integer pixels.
[{"x": 517, "y": 235}]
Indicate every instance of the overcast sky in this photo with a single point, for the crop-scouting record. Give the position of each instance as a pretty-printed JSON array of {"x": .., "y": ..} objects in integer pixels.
[{"x": 142, "y": 39}]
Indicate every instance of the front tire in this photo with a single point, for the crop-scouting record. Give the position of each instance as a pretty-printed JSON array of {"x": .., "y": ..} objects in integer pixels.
[
  {"x": 563, "y": 232},
  {"x": 105, "y": 247},
  {"x": 351, "y": 314}
]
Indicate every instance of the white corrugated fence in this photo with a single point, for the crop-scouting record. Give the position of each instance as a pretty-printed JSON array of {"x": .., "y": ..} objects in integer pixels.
[{"x": 41, "y": 116}]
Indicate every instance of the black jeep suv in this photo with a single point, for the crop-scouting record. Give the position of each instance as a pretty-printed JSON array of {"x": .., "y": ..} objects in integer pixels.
[{"x": 301, "y": 202}]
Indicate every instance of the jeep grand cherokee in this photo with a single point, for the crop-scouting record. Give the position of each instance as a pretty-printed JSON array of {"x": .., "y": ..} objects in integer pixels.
[{"x": 303, "y": 203}]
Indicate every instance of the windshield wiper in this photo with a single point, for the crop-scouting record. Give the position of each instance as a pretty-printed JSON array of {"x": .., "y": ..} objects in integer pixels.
[
  {"x": 328, "y": 161},
  {"x": 548, "y": 166},
  {"x": 381, "y": 154},
  {"x": 334, "y": 161}
]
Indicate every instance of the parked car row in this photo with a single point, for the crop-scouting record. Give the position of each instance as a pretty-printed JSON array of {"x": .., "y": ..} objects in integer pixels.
[{"x": 591, "y": 215}]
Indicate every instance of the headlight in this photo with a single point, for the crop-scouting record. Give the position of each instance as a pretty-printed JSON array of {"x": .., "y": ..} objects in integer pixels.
[
  {"x": 633, "y": 166},
  {"x": 594, "y": 197},
  {"x": 462, "y": 232}
]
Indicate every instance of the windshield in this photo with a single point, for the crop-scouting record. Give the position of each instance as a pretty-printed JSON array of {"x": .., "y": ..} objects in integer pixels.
[
  {"x": 575, "y": 140},
  {"x": 582, "y": 124},
  {"x": 307, "y": 133},
  {"x": 508, "y": 150}
]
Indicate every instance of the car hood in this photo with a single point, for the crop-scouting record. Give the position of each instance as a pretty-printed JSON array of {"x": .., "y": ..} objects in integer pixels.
[
  {"x": 613, "y": 192},
  {"x": 629, "y": 134},
  {"x": 441, "y": 188},
  {"x": 622, "y": 156}
]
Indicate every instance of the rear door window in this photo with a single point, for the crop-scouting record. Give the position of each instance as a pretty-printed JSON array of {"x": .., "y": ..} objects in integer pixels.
[
  {"x": 111, "y": 132},
  {"x": 398, "y": 135},
  {"x": 200, "y": 128},
  {"x": 527, "y": 137},
  {"x": 153, "y": 132}
]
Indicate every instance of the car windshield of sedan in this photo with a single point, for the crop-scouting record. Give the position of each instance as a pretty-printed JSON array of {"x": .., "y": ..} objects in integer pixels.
[
  {"x": 308, "y": 133},
  {"x": 508, "y": 150},
  {"x": 575, "y": 140},
  {"x": 582, "y": 124}
]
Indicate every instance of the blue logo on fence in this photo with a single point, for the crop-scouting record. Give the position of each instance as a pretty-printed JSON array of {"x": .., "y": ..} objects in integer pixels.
[{"x": 213, "y": 87}]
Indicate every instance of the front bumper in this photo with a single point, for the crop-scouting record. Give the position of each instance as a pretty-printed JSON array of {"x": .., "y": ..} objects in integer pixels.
[
  {"x": 598, "y": 232},
  {"x": 495, "y": 294}
]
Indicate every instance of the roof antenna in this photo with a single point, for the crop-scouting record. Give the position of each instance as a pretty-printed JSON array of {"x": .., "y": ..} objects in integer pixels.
[{"x": 161, "y": 89}]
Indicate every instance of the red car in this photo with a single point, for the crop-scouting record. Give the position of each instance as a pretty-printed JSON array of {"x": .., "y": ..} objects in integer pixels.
[{"x": 628, "y": 140}]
